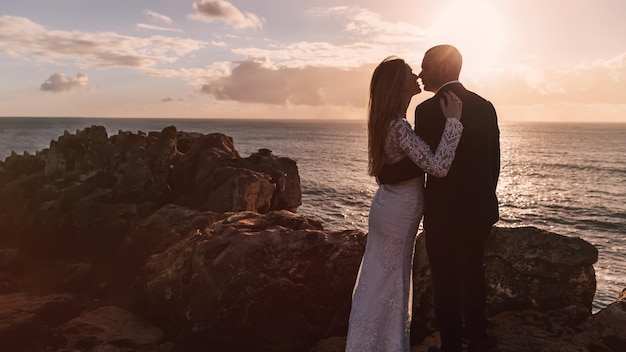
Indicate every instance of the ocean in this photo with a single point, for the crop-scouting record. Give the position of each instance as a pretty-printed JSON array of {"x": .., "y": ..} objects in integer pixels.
[{"x": 568, "y": 178}]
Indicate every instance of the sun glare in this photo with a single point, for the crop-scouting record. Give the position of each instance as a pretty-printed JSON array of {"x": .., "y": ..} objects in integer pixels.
[{"x": 476, "y": 29}]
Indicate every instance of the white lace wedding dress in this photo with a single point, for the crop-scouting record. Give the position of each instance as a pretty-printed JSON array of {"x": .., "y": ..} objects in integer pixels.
[{"x": 380, "y": 318}]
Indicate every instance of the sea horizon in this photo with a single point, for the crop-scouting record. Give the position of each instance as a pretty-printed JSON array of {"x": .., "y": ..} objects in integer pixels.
[{"x": 287, "y": 119}]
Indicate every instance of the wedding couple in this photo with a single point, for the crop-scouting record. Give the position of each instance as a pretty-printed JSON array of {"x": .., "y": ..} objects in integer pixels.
[{"x": 456, "y": 142}]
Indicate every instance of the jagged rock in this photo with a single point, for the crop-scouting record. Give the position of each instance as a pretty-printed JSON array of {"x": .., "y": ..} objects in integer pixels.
[
  {"x": 212, "y": 176},
  {"x": 11, "y": 260},
  {"x": 80, "y": 152},
  {"x": 607, "y": 328},
  {"x": 248, "y": 283},
  {"x": 622, "y": 296},
  {"x": 16, "y": 166},
  {"x": 88, "y": 191},
  {"x": 78, "y": 277},
  {"x": 28, "y": 321},
  {"x": 532, "y": 330},
  {"x": 526, "y": 268},
  {"x": 111, "y": 326},
  {"x": 154, "y": 234},
  {"x": 12, "y": 263},
  {"x": 7, "y": 285},
  {"x": 283, "y": 173},
  {"x": 534, "y": 269}
]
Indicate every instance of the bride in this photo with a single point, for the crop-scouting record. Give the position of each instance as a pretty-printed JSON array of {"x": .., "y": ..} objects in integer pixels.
[{"x": 380, "y": 318}]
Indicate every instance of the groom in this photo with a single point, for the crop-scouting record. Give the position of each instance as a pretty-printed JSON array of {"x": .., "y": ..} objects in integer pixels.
[{"x": 459, "y": 209}]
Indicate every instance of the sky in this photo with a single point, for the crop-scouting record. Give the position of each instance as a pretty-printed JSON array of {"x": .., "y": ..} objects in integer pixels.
[{"x": 535, "y": 60}]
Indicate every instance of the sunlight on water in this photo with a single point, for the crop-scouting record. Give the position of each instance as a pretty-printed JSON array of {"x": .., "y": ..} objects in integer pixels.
[{"x": 569, "y": 179}]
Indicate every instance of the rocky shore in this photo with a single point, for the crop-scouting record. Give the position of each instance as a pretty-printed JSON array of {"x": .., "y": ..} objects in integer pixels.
[{"x": 171, "y": 241}]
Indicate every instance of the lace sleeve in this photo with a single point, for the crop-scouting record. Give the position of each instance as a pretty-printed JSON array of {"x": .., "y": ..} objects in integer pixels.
[{"x": 417, "y": 149}]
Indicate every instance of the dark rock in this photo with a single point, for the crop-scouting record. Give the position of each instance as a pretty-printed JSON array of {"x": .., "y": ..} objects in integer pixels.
[
  {"x": 153, "y": 235},
  {"x": 88, "y": 191},
  {"x": 111, "y": 326},
  {"x": 536, "y": 269},
  {"x": 526, "y": 269},
  {"x": 7, "y": 285},
  {"x": 12, "y": 260},
  {"x": 28, "y": 321},
  {"x": 78, "y": 277},
  {"x": 239, "y": 286},
  {"x": 622, "y": 296}
]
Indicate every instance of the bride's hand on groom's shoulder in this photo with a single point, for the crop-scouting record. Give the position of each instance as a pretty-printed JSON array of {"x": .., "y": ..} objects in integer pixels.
[{"x": 451, "y": 105}]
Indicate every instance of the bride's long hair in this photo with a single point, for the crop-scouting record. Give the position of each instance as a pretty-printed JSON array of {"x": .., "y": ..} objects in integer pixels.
[{"x": 384, "y": 103}]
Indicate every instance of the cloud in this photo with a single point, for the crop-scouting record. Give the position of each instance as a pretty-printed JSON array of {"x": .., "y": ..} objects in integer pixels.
[
  {"x": 169, "y": 100},
  {"x": 600, "y": 82},
  {"x": 367, "y": 24},
  {"x": 255, "y": 82},
  {"x": 22, "y": 38},
  {"x": 325, "y": 54},
  {"x": 157, "y": 28},
  {"x": 59, "y": 82},
  {"x": 157, "y": 17},
  {"x": 221, "y": 10},
  {"x": 369, "y": 39},
  {"x": 196, "y": 76},
  {"x": 258, "y": 80},
  {"x": 595, "y": 83}
]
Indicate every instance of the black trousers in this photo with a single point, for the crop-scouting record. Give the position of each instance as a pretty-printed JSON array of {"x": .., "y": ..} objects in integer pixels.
[{"x": 459, "y": 289}]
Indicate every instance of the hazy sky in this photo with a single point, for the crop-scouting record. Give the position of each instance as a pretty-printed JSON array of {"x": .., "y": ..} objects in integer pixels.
[{"x": 557, "y": 60}]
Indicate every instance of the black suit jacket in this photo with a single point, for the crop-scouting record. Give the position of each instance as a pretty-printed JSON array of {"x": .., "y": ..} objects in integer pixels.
[{"x": 466, "y": 198}]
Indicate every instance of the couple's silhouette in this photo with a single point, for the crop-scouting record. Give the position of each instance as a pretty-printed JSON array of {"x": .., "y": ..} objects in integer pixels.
[{"x": 455, "y": 142}]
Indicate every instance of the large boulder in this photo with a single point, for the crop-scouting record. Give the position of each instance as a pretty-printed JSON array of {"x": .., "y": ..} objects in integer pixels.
[
  {"x": 253, "y": 282},
  {"x": 529, "y": 268},
  {"x": 154, "y": 234},
  {"x": 526, "y": 269}
]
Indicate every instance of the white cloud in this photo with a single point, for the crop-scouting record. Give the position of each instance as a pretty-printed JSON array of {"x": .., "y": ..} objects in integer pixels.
[
  {"x": 221, "y": 10},
  {"x": 600, "y": 82},
  {"x": 320, "y": 54},
  {"x": 22, "y": 38},
  {"x": 157, "y": 28},
  {"x": 59, "y": 82},
  {"x": 157, "y": 17},
  {"x": 369, "y": 40},
  {"x": 367, "y": 24},
  {"x": 196, "y": 76}
]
